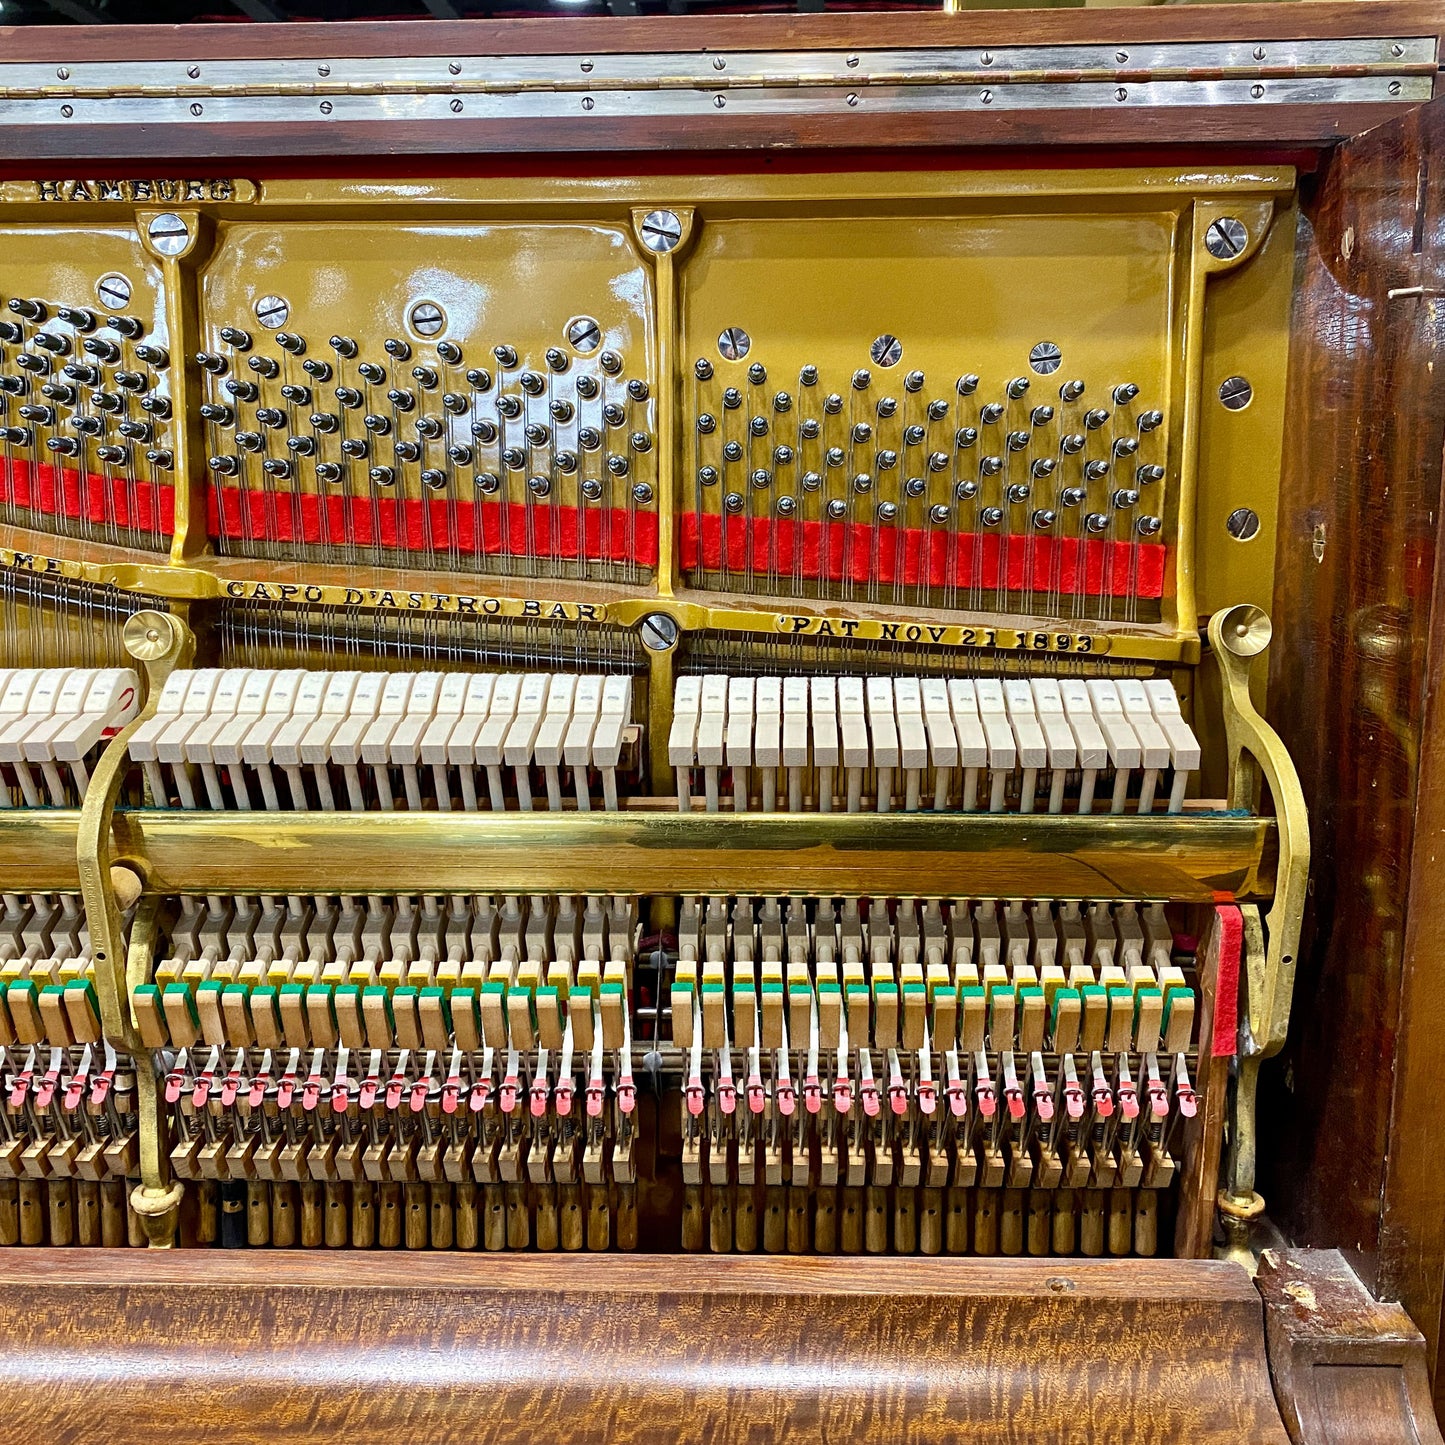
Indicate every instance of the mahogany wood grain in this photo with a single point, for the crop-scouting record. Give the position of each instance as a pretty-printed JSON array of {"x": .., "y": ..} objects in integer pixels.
[
  {"x": 1328, "y": 19},
  {"x": 272, "y": 1347},
  {"x": 1347, "y": 1369},
  {"x": 1357, "y": 663}
]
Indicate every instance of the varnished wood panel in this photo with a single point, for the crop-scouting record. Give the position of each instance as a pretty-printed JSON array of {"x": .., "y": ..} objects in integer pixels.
[
  {"x": 271, "y": 1347},
  {"x": 1269, "y": 125},
  {"x": 1347, "y": 1369},
  {"x": 1354, "y": 672}
]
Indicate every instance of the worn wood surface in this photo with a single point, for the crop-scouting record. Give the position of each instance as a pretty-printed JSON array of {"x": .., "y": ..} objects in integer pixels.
[
  {"x": 1354, "y": 673},
  {"x": 465, "y": 137},
  {"x": 271, "y": 1347},
  {"x": 1347, "y": 1369}
]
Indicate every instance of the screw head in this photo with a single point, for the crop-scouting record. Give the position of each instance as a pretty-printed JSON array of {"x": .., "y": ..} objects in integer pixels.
[
  {"x": 1046, "y": 358},
  {"x": 1256, "y": 91},
  {"x": 584, "y": 334},
  {"x": 325, "y": 107},
  {"x": 426, "y": 318},
  {"x": 986, "y": 97},
  {"x": 661, "y": 231},
  {"x": 1397, "y": 50},
  {"x": 587, "y": 102},
  {"x": 455, "y": 105},
  {"x": 1235, "y": 393},
  {"x": 169, "y": 234},
  {"x": 986, "y": 58},
  {"x": 272, "y": 312},
  {"x": 718, "y": 63},
  {"x": 62, "y": 73},
  {"x": 67, "y": 111},
  {"x": 194, "y": 71},
  {"x": 453, "y": 68},
  {"x": 734, "y": 343},
  {"x": 719, "y": 102},
  {"x": 1394, "y": 87},
  {"x": 197, "y": 109},
  {"x": 852, "y": 97},
  {"x": 1225, "y": 238},
  {"x": 1121, "y": 57},
  {"x": 886, "y": 350},
  {"x": 1258, "y": 52},
  {"x": 113, "y": 291},
  {"x": 586, "y": 67},
  {"x": 323, "y": 70},
  {"x": 1242, "y": 524},
  {"x": 1121, "y": 94}
]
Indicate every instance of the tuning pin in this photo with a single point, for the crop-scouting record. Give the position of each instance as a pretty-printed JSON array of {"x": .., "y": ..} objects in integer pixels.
[
  {"x": 328, "y": 472},
  {"x": 1043, "y": 519},
  {"x": 156, "y": 356},
  {"x": 488, "y": 485},
  {"x": 1072, "y": 496},
  {"x": 31, "y": 310},
  {"x": 40, "y": 415},
  {"x": 18, "y": 436},
  {"x": 59, "y": 392},
  {"x": 1125, "y": 497},
  {"x": 106, "y": 401},
  {"x": 1071, "y": 391},
  {"x": 11, "y": 333},
  {"x": 63, "y": 446},
  {"x": 1043, "y": 467},
  {"x": 235, "y": 338},
  {"x": 408, "y": 452},
  {"x": 990, "y": 466},
  {"x": 1096, "y": 522},
  {"x": 349, "y": 397},
  {"x": 250, "y": 441},
  {"x": 370, "y": 372},
  {"x": 302, "y": 446},
  {"x": 290, "y": 341},
  {"x": 396, "y": 348},
  {"x": 323, "y": 422},
  {"x": 297, "y": 395},
  {"x": 507, "y": 356},
  {"x": 1018, "y": 441},
  {"x": 113, "y": 455},
  {"x": 343, "y": 346},
  {"x": 1148, "y": 526},
  {"x": 433, "y": 478},
  {"x": 264, "y": 366},
  {"x": 212, "y": 362},
  {"x": 425, "y": 377},
  {"x": 318, "y": 371},
  {"x": 1094, "y": 471},
  {"x": 449, "y": 352},
  {"x": 1096, "y": 418},
  {"x": 102, "y": 348},
  {"x": 137, "y": 431},
  {"x": 161, "y": 459},
  {"x": 77, "y": 316},
  {"x": 131, "y": 380},
  {"x": 1149, "y": 420},
  {"x": 270, "y": 416},
  {"x": 224, "y": 466},
  {"x": 54, "y": 343},
  {"x": 1144, "y": 475},
  {"x": 88, "y": 426},
  {"x": 382, "y": 476},
  {"x": 1124, "y": 394},
  {"x": 377, "y": 424},
  {"x": 862, "y": 379},
  {"x": 355, "y": 447},
  {"x": 277, "y": 467},
  {"x": 531, "y": 383},
  {"x": 454, "y": 404}
]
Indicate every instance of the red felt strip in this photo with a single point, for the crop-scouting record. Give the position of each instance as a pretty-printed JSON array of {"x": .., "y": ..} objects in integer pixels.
[
  {"x": 914, "y": 555},
  {"x": 414, "y": 525},
  {"x": 1226, "y": 984},
  {"x": 137, "y": 505}
]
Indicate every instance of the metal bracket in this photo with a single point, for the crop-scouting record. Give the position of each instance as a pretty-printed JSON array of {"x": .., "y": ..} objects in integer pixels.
[
  {"x": 161, "y": 642},
  {"x": 1237, "y": 636}
]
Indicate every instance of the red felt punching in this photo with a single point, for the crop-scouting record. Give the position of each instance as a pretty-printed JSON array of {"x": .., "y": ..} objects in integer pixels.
[
  {"x": 1226, "y": 986},
  {"x": 137, "y": 505},
  {"x": 857, "y": 552},
  {"x": 434, "y": 525}
]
